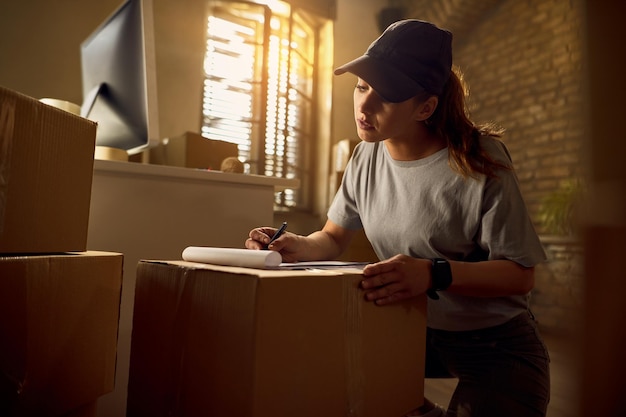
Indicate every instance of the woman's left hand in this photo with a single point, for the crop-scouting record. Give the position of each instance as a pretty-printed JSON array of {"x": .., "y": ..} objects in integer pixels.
[{"x": 396, "y": 279}]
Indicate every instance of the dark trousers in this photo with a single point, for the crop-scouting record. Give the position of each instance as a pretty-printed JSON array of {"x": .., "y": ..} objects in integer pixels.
[{"x": 503, "y": 371}]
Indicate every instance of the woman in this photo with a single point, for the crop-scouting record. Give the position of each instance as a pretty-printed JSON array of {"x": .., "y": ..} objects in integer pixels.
[{"x": 439, "y": 201}]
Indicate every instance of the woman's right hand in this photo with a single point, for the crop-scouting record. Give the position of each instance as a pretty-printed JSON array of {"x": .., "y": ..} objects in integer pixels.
[
  {"x": 325, "y": 244},
  {"x": 259, "y": 237},
  {"x": 286, "y": 245}
]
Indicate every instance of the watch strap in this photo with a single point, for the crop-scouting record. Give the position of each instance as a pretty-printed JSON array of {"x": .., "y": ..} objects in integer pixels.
[{"x": 441, "y": 275}]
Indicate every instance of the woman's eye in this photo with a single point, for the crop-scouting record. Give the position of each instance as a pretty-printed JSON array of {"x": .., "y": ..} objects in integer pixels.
[{"x": 361, "y": 88}]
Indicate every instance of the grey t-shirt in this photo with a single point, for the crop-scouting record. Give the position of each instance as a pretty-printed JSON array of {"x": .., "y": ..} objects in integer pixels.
[{"x": 425, "y": 209}]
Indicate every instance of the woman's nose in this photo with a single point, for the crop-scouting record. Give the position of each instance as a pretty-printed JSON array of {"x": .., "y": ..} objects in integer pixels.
[{"x": 365, "y": 103}]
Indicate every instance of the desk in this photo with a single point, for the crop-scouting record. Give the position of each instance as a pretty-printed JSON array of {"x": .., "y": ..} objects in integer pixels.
[{"x": 154, "y": 212}]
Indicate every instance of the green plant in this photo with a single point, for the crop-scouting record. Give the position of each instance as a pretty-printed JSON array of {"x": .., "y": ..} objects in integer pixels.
[{"x": 559, "y": 212}]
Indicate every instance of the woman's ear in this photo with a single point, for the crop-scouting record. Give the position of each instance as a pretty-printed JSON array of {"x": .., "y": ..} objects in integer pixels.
[{"x": 426, "y": 108}]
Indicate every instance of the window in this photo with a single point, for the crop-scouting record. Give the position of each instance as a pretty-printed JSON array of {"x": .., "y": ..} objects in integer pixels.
[{"x": 259, "y": 87}]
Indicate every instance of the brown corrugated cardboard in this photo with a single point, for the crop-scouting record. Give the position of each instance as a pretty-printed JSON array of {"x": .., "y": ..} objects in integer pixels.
[
  {"x": 58, "y": 332},
  {"x": 46, "y": 169},
  {"x": 193, "y": 150},
  {"x": 236, "y": 342}
]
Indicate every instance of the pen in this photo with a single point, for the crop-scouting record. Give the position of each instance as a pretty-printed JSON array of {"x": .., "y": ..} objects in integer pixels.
[{"x": 278, "y": 233}]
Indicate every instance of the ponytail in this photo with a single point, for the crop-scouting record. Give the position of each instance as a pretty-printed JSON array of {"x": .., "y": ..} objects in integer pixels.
[{"x": 451, "y": 121}]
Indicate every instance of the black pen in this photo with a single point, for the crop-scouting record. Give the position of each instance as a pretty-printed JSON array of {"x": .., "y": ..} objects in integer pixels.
[{"x": 278, "y": 233}]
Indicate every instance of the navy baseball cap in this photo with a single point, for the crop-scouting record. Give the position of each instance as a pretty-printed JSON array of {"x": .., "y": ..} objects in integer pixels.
[{"x": 410, "y": 56}]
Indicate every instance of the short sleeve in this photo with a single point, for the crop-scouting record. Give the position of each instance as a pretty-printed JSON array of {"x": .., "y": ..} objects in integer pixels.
[
  {"x": 343, "y": 210},
  {"x": 506, "y": 230}
]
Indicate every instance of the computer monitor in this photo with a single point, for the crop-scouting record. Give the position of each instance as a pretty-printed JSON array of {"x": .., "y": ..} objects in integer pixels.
[{"x": 119, "y": 79}]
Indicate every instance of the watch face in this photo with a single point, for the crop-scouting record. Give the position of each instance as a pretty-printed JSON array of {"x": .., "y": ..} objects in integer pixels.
[
  {"x": 442, "y": 275},
  {"x": 432, "y": 294}
]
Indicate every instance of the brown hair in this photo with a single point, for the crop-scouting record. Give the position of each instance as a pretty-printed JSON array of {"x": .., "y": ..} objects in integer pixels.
[{"x": 451, "y": 121}]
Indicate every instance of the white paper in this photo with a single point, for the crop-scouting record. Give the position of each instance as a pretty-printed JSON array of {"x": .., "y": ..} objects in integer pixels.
[
  {"x": 247, "y": 258},
  {"x": 323, "y": 265}
]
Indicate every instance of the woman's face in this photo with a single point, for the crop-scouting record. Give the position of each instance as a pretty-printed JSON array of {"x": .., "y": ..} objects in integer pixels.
[{"x": 378, "y": 119}]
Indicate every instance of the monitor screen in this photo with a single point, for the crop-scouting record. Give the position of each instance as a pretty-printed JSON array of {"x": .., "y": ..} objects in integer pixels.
[{"x": 119, "y": 78}]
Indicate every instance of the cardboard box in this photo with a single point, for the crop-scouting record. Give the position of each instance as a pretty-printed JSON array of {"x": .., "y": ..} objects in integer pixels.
[
  {"x": 59, "y": 319},
  {"x": 46, "y": 169},
  {"x": 193, "y": 150},
  {"x": 234, "y": 342}
]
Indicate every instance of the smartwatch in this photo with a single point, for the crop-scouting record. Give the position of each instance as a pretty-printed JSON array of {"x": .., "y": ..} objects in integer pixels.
[{"x": 441, "y": 277}]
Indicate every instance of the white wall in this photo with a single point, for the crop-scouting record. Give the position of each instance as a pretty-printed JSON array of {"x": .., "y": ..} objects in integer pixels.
[
  {"x": 40, "y": 52},
  {"x": 40, "y": 44},
  {"x": 355, "y": 29}
]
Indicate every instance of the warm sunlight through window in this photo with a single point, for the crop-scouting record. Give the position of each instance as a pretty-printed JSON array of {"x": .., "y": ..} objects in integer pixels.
[{"x": 258, "y": 92}]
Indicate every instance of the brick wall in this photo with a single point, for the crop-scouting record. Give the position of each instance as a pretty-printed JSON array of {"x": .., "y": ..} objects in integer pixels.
[
  {"x": 557, "y": 299},
  {"x": 523, "y": 64}
]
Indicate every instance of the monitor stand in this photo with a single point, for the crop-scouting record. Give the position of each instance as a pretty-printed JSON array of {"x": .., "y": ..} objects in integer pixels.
[{"x": 113, "y": 129}]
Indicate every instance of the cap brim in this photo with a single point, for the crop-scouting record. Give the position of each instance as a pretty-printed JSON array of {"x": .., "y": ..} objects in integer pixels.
[{"x": 391, "y": 84}]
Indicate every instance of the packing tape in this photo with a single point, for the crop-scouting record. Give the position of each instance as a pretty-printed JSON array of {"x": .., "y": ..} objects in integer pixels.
[
  {"x": 110, "y": 154},
  {"x": 63, "y": 105}
]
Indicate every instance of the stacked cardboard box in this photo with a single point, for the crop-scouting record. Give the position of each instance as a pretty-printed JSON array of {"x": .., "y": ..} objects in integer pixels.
[
  {"x": 58, "y": 331},
  {"x": 192, "y": 150},
  {"x": 46, "y": 170},
  {"x": 59, "y": 303},
  {"x": 222, "y": 341}
]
